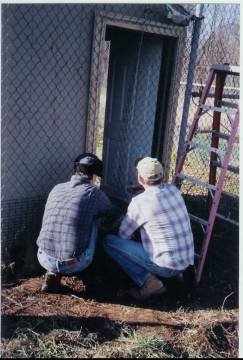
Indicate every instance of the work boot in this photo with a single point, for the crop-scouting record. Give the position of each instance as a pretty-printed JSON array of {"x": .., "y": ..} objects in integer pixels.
[
  {"x": 51, "y": 282},
  {"x": 152, "y": 287}
]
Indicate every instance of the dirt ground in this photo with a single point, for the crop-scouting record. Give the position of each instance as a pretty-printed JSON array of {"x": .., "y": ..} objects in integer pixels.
[
  {"x": 25, "y": 307},
  {"x": 90, "y": 300}
]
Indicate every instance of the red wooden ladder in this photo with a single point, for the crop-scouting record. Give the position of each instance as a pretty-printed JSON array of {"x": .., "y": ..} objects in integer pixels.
[{"x": 218, "y": 158}]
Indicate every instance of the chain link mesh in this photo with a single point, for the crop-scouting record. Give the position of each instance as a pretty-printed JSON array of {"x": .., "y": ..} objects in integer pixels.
[
  {"x": 55, "y": 85},
  {"x": 218, "y": 44}
]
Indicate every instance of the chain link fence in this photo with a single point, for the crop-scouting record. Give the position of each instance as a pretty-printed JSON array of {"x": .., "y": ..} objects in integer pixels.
[
  {"x": 108, "y": 78},
  {"x": 219, "y": 42}
]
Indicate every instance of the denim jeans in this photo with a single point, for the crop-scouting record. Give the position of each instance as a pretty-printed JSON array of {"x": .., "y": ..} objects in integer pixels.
[
  {"x": 130, "y": 255},
  {"x": 70, "y": 265}
]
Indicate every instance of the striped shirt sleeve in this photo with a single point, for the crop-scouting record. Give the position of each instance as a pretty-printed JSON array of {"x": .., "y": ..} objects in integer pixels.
[{"x": 131, "y": 222}]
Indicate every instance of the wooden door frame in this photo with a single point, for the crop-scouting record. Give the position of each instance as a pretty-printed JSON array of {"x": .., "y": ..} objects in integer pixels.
[{"x": 101, "y": 21}]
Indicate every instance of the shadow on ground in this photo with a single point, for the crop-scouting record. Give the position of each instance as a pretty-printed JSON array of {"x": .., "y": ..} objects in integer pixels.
[{"x": 105, "y": 329}]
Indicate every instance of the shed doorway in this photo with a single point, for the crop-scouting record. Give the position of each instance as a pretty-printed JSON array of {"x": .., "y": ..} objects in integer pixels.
[{"x": 138, "y": 83}]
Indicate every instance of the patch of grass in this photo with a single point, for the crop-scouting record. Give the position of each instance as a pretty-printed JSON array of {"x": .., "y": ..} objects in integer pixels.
[
  {"x": 58, "y": 343},
  {"x": 214, "y": 340}
]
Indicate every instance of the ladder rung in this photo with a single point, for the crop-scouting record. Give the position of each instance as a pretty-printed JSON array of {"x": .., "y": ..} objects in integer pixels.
[
  {"x": 196, "y": 181},
  {"x": 205, "y": 223},
  {"x": 207, "y": 148},
  {"x": 212, "y": 95},
  {"x": 233, "y": 196},
  {"x": 233, "y": 169},
  {"x": 205, "y": 131},
  {"x": 227, "y": 219},
  {"x": 229, "y": 104},
  {"x": 216, "y": 133},
  {"x": 217, "y": 109},
  {"x": 198, "y": 219},
  {"x": 221, "y": 135},
  {"x": 230, "y": 69}
]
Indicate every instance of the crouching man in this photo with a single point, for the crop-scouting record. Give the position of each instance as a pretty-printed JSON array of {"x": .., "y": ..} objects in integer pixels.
[
  {"x": 68, "y": 235},
  {"x": 167, "y": 243}
]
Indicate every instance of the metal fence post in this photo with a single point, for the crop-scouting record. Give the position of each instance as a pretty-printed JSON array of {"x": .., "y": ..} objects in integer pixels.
[{"x": 190, "y": 76}]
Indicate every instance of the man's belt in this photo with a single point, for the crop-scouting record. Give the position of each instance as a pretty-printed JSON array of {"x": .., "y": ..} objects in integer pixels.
[{"x": 70, "y": 262}]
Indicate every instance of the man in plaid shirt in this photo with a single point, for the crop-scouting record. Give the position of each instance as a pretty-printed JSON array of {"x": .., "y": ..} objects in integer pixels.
[
  {"x": 167, "y": 243},
  {"x": 69, "y": 231}
]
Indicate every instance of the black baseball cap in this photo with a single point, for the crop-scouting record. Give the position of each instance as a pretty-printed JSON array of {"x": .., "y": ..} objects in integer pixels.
[{"x": 88, "y": 164}]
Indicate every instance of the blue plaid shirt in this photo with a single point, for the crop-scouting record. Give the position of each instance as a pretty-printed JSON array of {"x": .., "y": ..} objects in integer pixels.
[
  {"x": 164, "y": 223},
  {"x": 68, "y": 217}
]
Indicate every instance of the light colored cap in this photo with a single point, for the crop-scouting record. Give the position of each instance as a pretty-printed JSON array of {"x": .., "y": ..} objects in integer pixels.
[{"x": 150, "y": 169}]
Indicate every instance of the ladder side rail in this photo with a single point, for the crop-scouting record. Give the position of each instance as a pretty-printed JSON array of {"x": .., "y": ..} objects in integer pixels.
[
  {"x": 194, "y": 123},
  {"x": 220, "y": 81},
  {"x": 216, "y": 200}
]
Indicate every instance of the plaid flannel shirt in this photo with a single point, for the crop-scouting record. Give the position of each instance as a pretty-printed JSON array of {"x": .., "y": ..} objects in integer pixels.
[
  {"x": 69, "y": 213},
  {"x": 164, "y": 223}
]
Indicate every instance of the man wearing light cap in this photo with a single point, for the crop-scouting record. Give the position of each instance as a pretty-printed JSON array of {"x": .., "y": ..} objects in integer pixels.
[
  {"x": 68, "y": 235},
  {"x": 167, "y": 246}
]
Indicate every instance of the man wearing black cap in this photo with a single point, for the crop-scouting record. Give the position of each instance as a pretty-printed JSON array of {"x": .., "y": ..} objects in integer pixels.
[{"x": 69, "y": 230}]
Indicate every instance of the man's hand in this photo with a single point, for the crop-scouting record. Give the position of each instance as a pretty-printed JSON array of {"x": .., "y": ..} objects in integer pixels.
[{"x": 110, "y": 225}]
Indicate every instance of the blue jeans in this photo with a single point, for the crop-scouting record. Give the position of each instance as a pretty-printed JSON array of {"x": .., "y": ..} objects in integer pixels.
[
  {"x": 132, "y": 257},
  {"x": 70, "y": 265}
]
